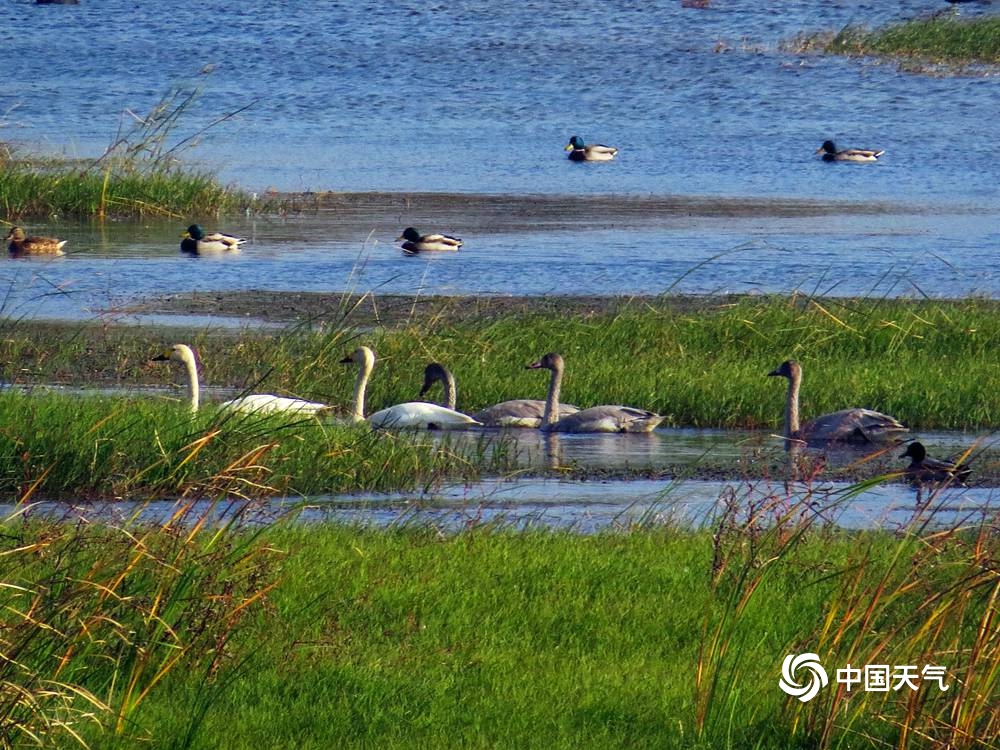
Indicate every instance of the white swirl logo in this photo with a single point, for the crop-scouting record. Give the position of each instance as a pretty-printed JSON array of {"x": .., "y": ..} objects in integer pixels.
[{"x": 817, "y": 680}]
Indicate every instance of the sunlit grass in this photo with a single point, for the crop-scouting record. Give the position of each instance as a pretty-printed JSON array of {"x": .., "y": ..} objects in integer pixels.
[
  {"x": 940, "y": 38},
  {"x": 648, "y": 637}
]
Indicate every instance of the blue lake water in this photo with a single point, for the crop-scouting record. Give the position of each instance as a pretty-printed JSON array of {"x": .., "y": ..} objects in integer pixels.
[{"x": 479, "y": 98}]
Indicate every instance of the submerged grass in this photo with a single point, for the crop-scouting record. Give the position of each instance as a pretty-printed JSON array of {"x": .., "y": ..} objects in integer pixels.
[
  {"x": 651, "y": 636},
  {"x": 32, "y": 191},
  {"x": 938, "y": 39}
]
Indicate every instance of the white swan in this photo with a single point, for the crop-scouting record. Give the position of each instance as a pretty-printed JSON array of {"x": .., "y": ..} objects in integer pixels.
[
  {"x": 256, "y": 403},
  {"x": 410, "y": 415},
  {"x": 594, "y": 419},
  {"x": 845, "y": 426},
  {"x": 518, "y": 412}
]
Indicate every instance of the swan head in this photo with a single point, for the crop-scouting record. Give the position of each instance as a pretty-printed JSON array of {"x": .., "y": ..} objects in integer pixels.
[
  {"x": 361, "y": 356},
  {"x": 788, "y": 369},
  {"x": 433, "y": 373},
  {"x": 916, "y": 451},
  {"x": 176, "y": 353},
  {"x": 410, "y": 234},
  {"x": 550, "y": 361}
]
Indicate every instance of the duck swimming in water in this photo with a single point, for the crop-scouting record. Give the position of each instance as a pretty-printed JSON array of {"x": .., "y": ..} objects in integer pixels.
[
  {"x": 21, "y": 244},
  {"x": 830, "y": 153},
  {"x": 579, "y": 151}
]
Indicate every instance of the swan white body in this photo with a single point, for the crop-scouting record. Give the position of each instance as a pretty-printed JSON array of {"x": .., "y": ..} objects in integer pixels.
[
  {"x": 416, "y": 415},
  {"x": 594, "y": 419},
  {"x": 845, "y": 426},
  {"x": 256, "y": 403},
  {"x": 519, "y": 412}
]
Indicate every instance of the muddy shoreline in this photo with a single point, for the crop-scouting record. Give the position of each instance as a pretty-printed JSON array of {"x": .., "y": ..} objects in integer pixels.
[{"x": 393, "y": 310}]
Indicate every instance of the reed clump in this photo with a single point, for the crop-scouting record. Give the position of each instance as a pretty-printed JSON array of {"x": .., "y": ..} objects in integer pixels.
[
  {"x": 139, "y": 174},
  {"x": 938, "y": 39},
  {"x": 96, "y": 617}
]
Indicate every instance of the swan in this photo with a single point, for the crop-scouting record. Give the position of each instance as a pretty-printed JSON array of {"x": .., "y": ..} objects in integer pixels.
[
  {"x": 419, "y": 243},
  {"x": 22, "y": 244},
  {"x": 830, "y": 153},
  {"x": 594, "y": 419},
  {"x": 925, "y": 469},
  {"x": 518, "y": 412},
  {"x": 196, "y": 242},
  {"x": 412, "y": 414},
  {"x": 846, "y": 426},
  {"x": 580, "y": 151},
  {"x": 256, "y": 403}
]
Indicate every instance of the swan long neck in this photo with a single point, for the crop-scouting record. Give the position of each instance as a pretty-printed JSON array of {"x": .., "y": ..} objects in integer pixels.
[
  {"x": 191, "y": 366},
  {"x": 360, "y": 384},
  {"x": 551, "y": 415},
  {"x": 450, "y": 390},
  {"x": 792, "y": 405}
]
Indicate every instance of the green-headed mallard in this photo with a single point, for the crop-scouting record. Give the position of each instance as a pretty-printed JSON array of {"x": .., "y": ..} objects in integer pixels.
[
  {"x": 845, "y": 426},
  {"x": 21, "y": 244},
  {"x": 922, "y": 468},
  {"x": 579, "y": 151},
  {"x": 414, "y": 242},
  {"x": 196, "y": 242},
  {"x": 830, "y": 153}
]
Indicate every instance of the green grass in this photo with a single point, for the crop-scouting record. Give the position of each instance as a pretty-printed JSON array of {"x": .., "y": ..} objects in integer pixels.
[
  {"x": 651, "y": 637},
  {"x": 940, "y": 39},
  {"x": 41, "y": 188},
  {"x": 54, "y": 447}
]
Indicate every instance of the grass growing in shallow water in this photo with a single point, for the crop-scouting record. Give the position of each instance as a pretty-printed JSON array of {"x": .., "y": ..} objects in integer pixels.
[{"x": 938, "y": 39}]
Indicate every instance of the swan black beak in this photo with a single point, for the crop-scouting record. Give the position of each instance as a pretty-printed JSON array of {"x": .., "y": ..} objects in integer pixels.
[
  {"x": 161, "y": 357},
  {"x": 534, "y": 365}
]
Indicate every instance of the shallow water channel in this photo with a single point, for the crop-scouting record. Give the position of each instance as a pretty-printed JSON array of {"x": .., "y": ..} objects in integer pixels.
[{"x": 597, "y": 504}]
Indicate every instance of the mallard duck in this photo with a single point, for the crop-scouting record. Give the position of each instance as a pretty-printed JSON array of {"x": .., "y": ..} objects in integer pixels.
[
  {"x": 594, "y": 419},
  {"x": 845, "y": 426},
  {"x": 579, "y": 151},
  {"x": 196, "y": 242},
  {"x": 414, "y": 242},
  {"x": 830, "y": 153},
  {"x": 925, "y": 469},
  {"x": 21, "y": 244}
]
